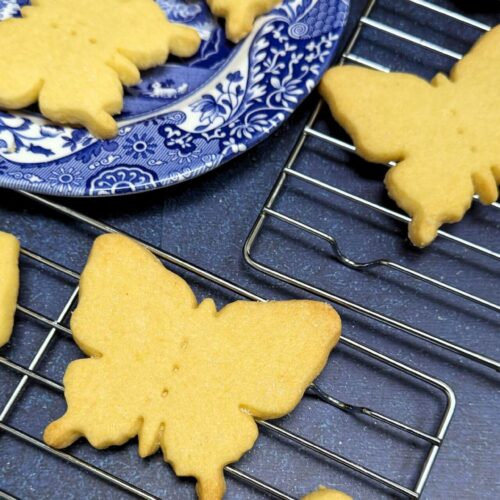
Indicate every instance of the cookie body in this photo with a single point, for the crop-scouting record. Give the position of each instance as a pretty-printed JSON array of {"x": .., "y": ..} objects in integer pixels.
[
  {"x": 9, "y": 284},
  {"x": 73, "y": 56},
  {"x": 240, "y": 14},
  {"x": 180, "y": 374},
  {"x": 444, "y": 135},
  {"x": 327, "y": 494}
]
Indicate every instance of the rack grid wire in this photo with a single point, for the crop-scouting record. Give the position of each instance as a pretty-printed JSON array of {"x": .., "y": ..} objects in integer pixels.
[
  {"x": 291, "y": 171},
  {"x": 29, "y": 374}
]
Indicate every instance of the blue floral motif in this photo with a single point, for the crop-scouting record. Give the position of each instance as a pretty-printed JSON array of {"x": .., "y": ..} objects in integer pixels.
[
  {"x": 139, "y": 146},
  {"x": 179, "y": 11},
  {"x": 286, "y": 91},
  {"x": 209, "y": 108},
  {"x": 76, "y": 138},
  {"x": 18, "y": 137},
  {"x": 215, "y": 110},
  {"x": 121, "y": 179},
  {"x": 181, "y": 146},
  {"x": 176, "y": 132},
  {"x": 65, "y": 179}
]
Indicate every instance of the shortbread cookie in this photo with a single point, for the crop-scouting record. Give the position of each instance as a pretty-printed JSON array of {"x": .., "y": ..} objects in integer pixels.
[
  {"x": 445, "y": 135},
  {"x": 181, "y": 375},
  {"x": 323, "y": 493},
  {"x": 9, "y": 284},
  {"x": 240, "y": 14},
  {"x": 72, "y": 56}
]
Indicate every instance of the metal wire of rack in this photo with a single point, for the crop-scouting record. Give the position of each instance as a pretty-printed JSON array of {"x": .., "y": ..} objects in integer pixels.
[
  {"x": 57, "y": 326},
  {"x": 291, "y": 171}
]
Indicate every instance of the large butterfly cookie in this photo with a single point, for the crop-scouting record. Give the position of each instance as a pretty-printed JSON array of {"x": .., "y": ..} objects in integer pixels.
[
  {"x": 444, "y": 135},
  {"x": 72, "y": 56},
  {"x": 9, "y": 284},
  {"x": 177, "y": 373}
]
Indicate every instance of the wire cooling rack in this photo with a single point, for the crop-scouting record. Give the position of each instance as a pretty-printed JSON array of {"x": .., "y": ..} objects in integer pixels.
[
  {"x": 291, "y": 171},
  {"x": 31, "y": 374}
]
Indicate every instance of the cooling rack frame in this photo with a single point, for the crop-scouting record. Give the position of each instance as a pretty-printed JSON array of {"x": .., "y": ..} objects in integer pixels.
[{"x": 57, "y": 327}]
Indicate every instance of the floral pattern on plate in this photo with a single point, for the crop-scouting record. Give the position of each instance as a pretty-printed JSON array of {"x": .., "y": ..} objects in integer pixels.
[{"x": 185, "y": 117}]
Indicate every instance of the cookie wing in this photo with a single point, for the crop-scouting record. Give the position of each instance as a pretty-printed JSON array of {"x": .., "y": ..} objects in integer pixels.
[
  {"x": 130, "y": 307},
  {"x": 283, "y": 346},
  {"x": 21, "y": 80},
  {"x": 123, "y": 289},
  {"x": 9, "y": 284},
  {"x": 258, "y": 360},
  {"x": 380, "y": 111},
  {"x": 478, "y": 66}
]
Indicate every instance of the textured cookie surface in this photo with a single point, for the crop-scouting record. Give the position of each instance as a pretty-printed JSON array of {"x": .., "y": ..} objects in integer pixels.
[
  {"x": 444, "y": 135},
  {"x": 327, "y": 494},
  {"x": 182, "y": 375},
  {"x": 9, "y": 284},
  {"x": 72, "y": 56},
  {"x": 240, "y": 14}
]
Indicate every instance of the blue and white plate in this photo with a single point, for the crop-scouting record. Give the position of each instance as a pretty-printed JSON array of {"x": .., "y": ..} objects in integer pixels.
[{"x": 186, "y": 117}]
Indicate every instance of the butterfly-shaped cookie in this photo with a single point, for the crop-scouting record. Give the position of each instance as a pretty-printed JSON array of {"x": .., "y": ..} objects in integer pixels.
[
  {"x": 9, "y": 284},
  {"x": 72, "y": 56},
  {"x": 240, "y": 14},
  {"x": 178, "y": 374},
  {"x": 444, "y": 135}
]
